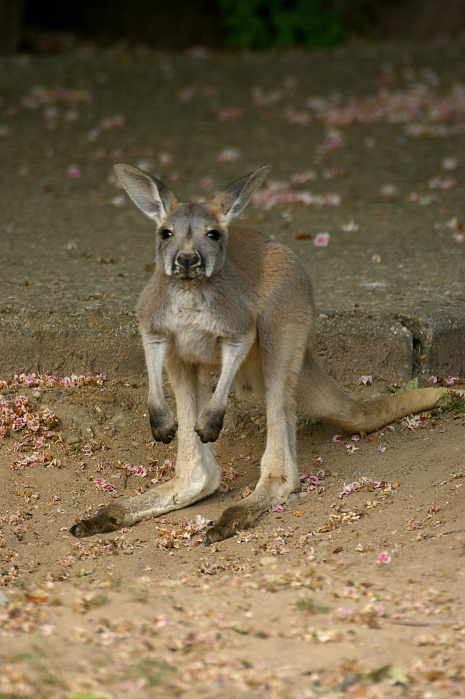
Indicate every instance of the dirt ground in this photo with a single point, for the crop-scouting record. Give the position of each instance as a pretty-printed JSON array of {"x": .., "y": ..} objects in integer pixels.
[{"x": 354, "y": 588}]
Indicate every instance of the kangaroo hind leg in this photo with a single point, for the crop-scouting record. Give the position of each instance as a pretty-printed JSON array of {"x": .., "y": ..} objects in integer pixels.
[
  {"x": 281, "y": 359},
  {"x": 196, "y": 471}
]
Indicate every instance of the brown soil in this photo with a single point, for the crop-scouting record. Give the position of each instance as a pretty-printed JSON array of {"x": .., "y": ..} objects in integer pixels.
[
  {"x": 300, "y": 606},
  {"x": 360, "y": 596}
]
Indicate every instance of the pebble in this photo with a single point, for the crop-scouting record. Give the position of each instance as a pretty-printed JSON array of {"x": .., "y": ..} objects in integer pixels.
[
  {"x": 117, "y": 418},
  {"x": 267, "y": 560},
  {"x": 71, "y": 439},
  {"x": 104, "y": 397}
]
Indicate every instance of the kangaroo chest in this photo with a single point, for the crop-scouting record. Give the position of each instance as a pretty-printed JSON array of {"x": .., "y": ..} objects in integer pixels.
[{"x": 195, "y": 328}]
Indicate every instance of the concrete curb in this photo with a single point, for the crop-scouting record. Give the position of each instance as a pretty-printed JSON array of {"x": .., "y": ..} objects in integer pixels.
[{"x": 348, "y": 346}]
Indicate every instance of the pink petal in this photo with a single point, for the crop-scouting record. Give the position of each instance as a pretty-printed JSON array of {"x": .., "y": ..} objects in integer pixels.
[
  {"x": 384, "y": 557},
  {"x": 278, "y": 508},
  {"x": 321, "y": 240},
  {"x": 73, "y": 172}
]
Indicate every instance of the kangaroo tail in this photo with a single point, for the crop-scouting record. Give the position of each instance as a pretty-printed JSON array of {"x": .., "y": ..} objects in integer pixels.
[{"x": 319, "y": 396}]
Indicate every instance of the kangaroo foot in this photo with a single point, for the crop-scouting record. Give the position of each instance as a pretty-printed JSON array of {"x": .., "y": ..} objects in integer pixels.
[{"x": 108, "y": 519}]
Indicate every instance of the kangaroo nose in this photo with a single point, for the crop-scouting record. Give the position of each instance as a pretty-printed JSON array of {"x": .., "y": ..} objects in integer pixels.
[{"x": 188, "y": 260}]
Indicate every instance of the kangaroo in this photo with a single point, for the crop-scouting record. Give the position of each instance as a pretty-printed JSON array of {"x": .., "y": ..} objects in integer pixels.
[{"x": 229, "y": 298}]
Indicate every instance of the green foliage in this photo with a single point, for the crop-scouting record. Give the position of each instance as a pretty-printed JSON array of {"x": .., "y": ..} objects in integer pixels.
[
  {"x": 454, "y": 403},
  {"x": 155, "y": 670},
  {"x": 309, "y": 605},
  {"x": 280, "y": 23}
]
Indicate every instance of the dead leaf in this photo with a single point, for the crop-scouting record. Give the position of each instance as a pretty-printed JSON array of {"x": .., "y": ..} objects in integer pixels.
[
  {"x": 386, "y": 672},
  {"x": 411, "y": 385}
]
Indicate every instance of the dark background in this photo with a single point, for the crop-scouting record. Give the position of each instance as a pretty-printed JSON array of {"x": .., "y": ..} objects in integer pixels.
[{"x": 48, "y": 25}]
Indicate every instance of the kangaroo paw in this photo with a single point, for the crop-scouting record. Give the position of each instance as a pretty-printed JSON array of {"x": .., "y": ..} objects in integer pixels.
[
  {"x": 209, "y": 426},
  {"x": 108, "y": 519},
  {"x": 163, "y": 426}
]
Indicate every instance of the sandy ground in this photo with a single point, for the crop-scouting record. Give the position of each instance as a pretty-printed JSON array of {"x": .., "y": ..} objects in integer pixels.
[
  {"x": 366, "y": 145},
  {"x": 354, "y": 588}
]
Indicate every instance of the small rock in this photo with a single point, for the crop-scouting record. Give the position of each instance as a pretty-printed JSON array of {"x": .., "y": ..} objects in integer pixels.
[
  {"x": 71, "y": 439},
  {"x": 104, "y": 397},
  {"x": 117, "y": 418},
  {"x": 267, "y": 560}
]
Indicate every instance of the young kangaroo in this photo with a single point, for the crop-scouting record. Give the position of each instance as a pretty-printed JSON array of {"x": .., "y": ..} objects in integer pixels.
[{"x": 228, "y": 297}]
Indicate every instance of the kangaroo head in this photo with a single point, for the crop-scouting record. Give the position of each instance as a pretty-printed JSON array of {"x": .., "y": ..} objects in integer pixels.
[{"x": 191, "y": 239}]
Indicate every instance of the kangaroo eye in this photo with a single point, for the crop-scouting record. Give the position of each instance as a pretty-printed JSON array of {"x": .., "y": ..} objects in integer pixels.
[
  {"x": 214, "y": 235},
  {"x": 165, "y": 233}
]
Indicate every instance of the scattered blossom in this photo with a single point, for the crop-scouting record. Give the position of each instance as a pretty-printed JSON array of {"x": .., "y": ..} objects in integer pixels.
[
  {"x": 279, "y": 193},
  {"x": 384, "y": 557},
  {"x": 366, "y": 380},
  {"x": 162, "y": 473},
  {"x": 103, "y": 485},
  {"x": 366, "y": 483},
  {"x": 166, "y": 159},
  {"x": 266, "y": 99},
  {"x": 228, "y": 155},
  {"x": 47, "y": 381},
  {"x": 350, "y": 227},
  {"x": 412, "y": 422},
  {"x": 442, "y": 183},
  {"x": 135, "y": 470},
  {"x": 449, "y": 163},
  {"x": 73, "y": 172},
  {"x": 321, "y": 240},
  {"x": 334, "y": 139},
  {"x": 230, "y": 114},
  {"x": 302, "y": 177},
  {"x": 389, "y": 192},
  {"x": 115, "y": 121}
]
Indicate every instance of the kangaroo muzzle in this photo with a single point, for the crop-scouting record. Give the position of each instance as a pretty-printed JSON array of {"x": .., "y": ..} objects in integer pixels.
[{"x": 188, "y": 265}]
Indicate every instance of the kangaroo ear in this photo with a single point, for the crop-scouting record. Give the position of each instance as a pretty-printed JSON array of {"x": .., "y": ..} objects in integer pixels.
[
  {"x": 149, "y": 194},
  {"x": 233, "y": 200}
]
